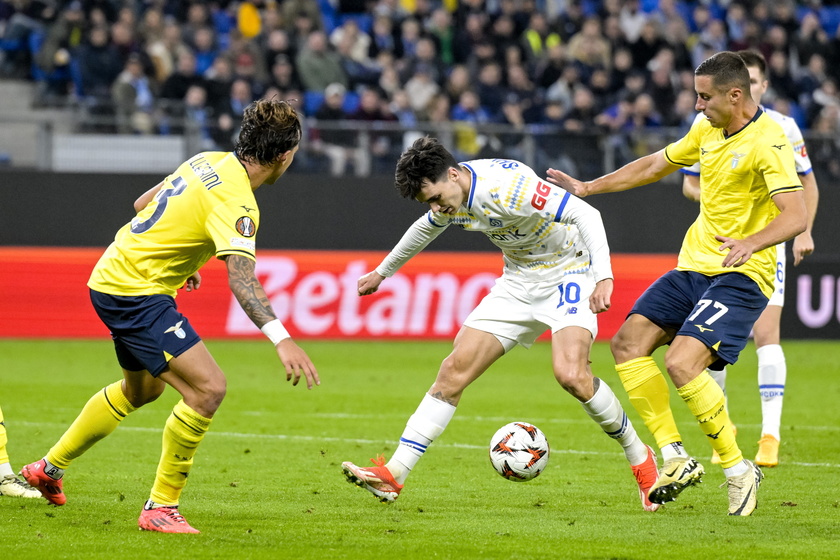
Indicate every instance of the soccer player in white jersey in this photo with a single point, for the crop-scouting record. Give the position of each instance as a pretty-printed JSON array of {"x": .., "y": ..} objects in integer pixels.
[
  {"x": 205, "y": 208},
  {"x": 772, "y": 369},
  {"x": 557, "y": 276}
]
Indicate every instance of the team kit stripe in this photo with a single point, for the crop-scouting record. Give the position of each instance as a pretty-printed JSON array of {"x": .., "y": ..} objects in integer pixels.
[{"x": 413, "y": 444}]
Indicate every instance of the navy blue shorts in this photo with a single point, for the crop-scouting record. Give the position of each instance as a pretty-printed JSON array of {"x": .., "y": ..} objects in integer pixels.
[
  {"x": 148, "y": 331},
  {"x": 717, "y": 310}
]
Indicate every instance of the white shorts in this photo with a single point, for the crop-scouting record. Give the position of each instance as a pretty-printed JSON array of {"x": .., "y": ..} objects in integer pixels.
[
  {"x": 519, "y": 312},
  {"x": 778, "y": 297}
]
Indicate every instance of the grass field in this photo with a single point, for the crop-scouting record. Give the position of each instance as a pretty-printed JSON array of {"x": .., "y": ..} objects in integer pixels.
[{"x": 267, "y": 481}]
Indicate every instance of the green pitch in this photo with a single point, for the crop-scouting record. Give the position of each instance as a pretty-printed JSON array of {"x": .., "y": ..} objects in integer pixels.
[{"x": 267, "y": 481}]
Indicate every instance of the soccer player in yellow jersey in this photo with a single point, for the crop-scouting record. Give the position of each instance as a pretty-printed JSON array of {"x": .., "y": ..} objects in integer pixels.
[
  {"x": 751, "y": 199},
  {"x": 205, "y": 208},
  {"x": 11, "y": 485},
  {"x": 772, "y": 368}
]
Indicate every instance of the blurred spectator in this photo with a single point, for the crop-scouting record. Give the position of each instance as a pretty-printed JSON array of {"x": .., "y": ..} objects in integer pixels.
[
  {"x": 470, "y": 34},
  {"x": 826, "y": 146},
  {"x": 490, "y": 87},
  {"x": 410, "y": 33},
  {"x": 503, "y": 33},
  {"x": 283, "y": 74},
  {"x": 382, "y": 37},
  {"x": 571, "y": 19},
  {"x": 63, "y": 38},
  {"x": 611, "y": 28},
  {"x": 810, "y": 39},
  {"x": 358, "y": 68},
  {"x": 175, "y": 87},
  {"x": 588, "y": 48},
  {"x": 229, "y": 114},
  {"x": 218, "y": 80},
  {"x": 355, "y": 42},
  {"x": 538, "y": 39},
  {"x": 683, "y": 114},
  {"x": 295, "y": 10},
  {"x": 204, "y": 48},
  {"x": 371, "y": 109},
  {"x": 317, "y": 65},
  {"x": 194, "y": 116},
  {"x": 439, "y": 27},
  {"x": 133, "y": 99},
  {"x": 782, "y": 82},
  {"x": 277, "y": 43},
  {"x": 339, "y": 145},
  {"x": 166, "y": 50},
  {"x": 632, "y": 20},
  {"x": 826, "y": 95},
  {"x": 421, "y": 88},
  {"x": 99, "y": 64},
  {"x": 810, "y": 79},
  {"x": 549, "y": 69},
  {"x": 649, "y": 43},
  {"x": 425, "y": 54},
  {"x": 582, "y": 115},
  {"x": 389, "y": 79}
]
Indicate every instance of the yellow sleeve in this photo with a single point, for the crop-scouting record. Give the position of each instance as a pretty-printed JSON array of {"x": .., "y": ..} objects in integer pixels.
[
  {"x": 234, "y": 229},
  {"x": 685, "y": 152},
  {"x": 778, "y": 165}
]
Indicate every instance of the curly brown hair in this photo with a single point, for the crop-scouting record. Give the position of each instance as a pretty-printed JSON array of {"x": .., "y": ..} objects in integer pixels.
[{"x": 270, "y": 127}]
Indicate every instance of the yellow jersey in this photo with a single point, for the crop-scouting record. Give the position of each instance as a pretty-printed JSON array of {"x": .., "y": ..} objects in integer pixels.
[
  {"x": 205, "y": 208},
  {"x": 739, "y": 175}
]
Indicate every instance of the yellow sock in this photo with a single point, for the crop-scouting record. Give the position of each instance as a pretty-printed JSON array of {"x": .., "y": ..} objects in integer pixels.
[
  {"x": 648, "y": 392},
  {"x": 184, "y": 430},
  {"x": 707, "y": 403},
  {"x": 100, "y": 416},
  {"x": 4, "y": 455}
]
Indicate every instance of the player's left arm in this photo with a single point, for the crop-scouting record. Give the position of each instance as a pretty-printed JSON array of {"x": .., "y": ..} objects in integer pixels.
[
  {"x": 251, "y": 296},
  {"x": 589, "y": 223},
  {"x": 803, "y": 244},
  {"x": 791, "y": 221}
]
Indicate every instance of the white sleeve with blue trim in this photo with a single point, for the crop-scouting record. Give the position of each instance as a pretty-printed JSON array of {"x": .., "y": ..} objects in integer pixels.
[
  {"x": 588, "y": 221},
  {"x": 415, "y": 239}
]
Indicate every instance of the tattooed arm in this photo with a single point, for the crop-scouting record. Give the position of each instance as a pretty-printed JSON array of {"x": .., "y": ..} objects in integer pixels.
[{"x": 250, "y": 294}]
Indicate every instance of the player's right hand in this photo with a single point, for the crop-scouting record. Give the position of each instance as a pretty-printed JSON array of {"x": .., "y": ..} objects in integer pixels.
[{"x": 369, "y": 283}]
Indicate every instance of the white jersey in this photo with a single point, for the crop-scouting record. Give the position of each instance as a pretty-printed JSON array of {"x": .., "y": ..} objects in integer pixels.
[
  {"x": 791, "y": 129},
  {"x": 544, "y": 232}
]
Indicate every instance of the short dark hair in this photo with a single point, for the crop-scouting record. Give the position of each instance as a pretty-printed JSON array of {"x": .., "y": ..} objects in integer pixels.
[
  {"x": 754, "y": 59},
  {"x": 425, "y": 159},
  {"x": 727, "y": 70},
  {"x": 270, "y": 127}
]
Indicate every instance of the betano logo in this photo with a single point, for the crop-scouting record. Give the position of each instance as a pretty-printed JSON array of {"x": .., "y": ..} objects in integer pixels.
[{"x": 326, "y": 302}]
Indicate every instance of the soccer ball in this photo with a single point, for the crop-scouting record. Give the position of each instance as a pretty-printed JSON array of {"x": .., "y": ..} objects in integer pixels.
[{"x": 519, "y": 451}]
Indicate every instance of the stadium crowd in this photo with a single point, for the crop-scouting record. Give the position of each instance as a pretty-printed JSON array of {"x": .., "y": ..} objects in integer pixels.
[{"x": 580, "y": 65}]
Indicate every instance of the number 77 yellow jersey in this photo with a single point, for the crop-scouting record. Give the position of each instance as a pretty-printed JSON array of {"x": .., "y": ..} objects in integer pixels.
[{"x": 205, "y": 208}]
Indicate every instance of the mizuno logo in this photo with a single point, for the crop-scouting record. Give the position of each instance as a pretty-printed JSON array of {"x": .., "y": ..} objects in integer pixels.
[
  {"x": 703, "y": 152},
  {"x": 715, "y": 435},
  {"x": 248, "y": 209},
  {"x": 778, "y": 146},
  {"x": 704, "y": 329}
]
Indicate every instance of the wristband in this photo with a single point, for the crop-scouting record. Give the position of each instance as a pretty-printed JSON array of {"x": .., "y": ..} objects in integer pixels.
[{"x": 275, "y": 331}]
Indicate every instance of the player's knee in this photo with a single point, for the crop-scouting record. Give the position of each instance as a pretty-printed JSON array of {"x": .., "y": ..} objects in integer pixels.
[
  {"x": 623, "y": 348},
  {"x": 575, "y": 379}
]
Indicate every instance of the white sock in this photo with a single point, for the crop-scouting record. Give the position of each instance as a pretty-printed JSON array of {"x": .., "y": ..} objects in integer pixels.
[
  {"x": 772, "y": 374},
  {"x": 720, "y": 378},
  {"x": 673, "y": 450},
  {"x": 605, "y": 409},
  {"x": 736, "y": 470},
  {"x": 6, "y": 470},
  {"x": 426, "y": 424}
]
